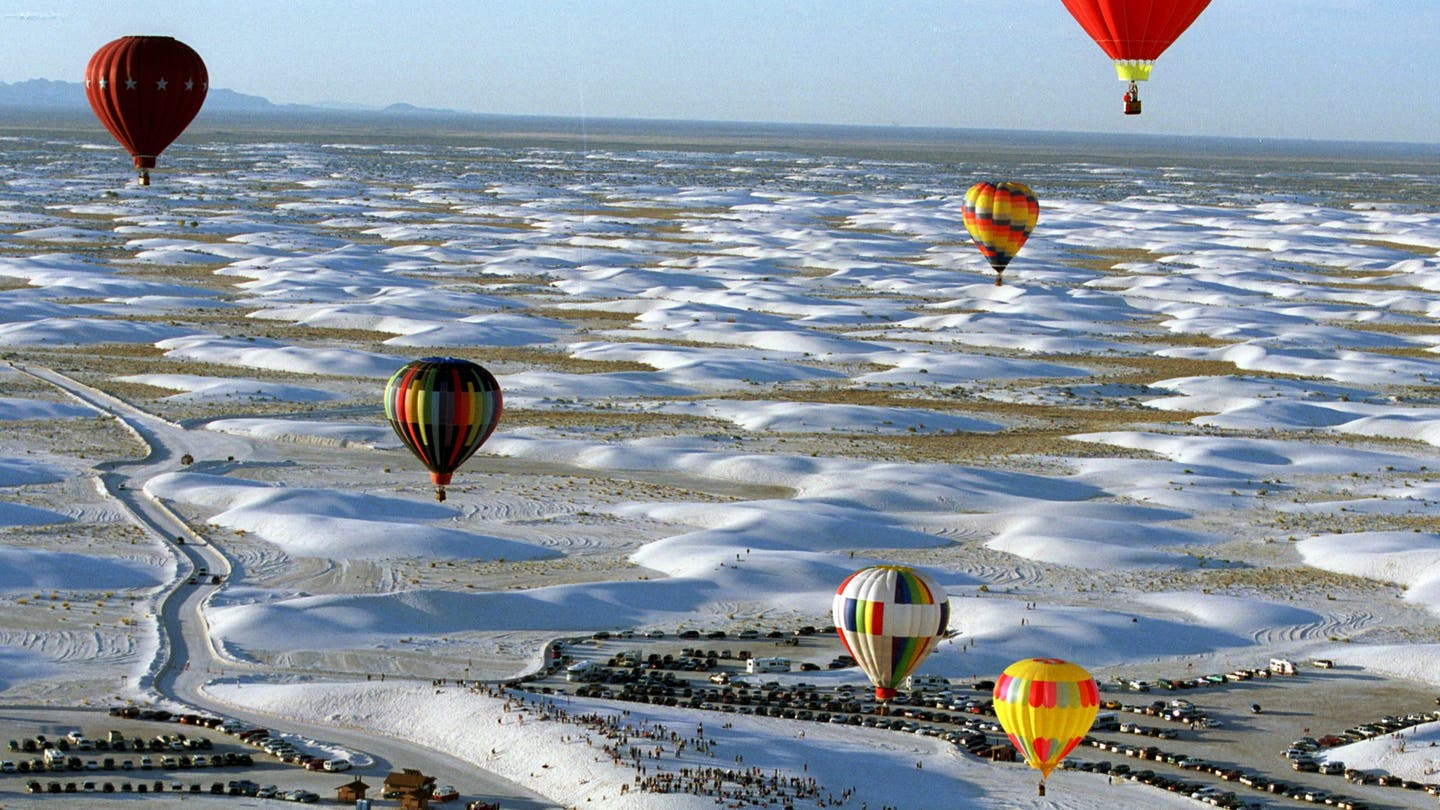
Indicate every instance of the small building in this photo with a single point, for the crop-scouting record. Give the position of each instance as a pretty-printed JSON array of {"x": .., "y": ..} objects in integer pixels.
[
  {"x": 351, "y": 792},
  {"x": 1282, "y": 666},
  {"x": 401, "y": 784}
]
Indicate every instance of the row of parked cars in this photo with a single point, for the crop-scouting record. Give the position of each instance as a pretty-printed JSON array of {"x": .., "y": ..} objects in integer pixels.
[
  {"x": 76, "y": 752},
  {"x": 257, "y": 736},
  {"x": 1303, "y": 754},
  {"x": 281, "y": 749},
  {"x": 1175, "y": 710},
  {"x": 1241, "y": 776},
  {"x": 160, "y": 786},
  {"x": 691, "y": 634}
]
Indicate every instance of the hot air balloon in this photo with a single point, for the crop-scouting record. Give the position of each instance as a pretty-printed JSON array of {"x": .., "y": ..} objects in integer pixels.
[
  {"x": 1134, "y": 33},
  {"x": 1046, "y": 706},
  {"x": 890, "y": 617},
  {"x": 443, "y": 409},
  {"x": 146, "y": 90},
  {"x": 1000, "y": 217}
]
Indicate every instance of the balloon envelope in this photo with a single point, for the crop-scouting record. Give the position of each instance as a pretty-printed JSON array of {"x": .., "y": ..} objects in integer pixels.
[
  {"x": 1000, "y": 217},
  {"x": 146, "y": 90},
  {"x": 1135, "y": 32},
  {"x": 1046, "y": 706},
  {"x": 443, "y": 409},
  {"x": 890, "y": 618}
]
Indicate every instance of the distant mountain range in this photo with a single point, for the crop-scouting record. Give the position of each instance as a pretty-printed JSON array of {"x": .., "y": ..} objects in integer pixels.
[{"x": 53, "y": 94}]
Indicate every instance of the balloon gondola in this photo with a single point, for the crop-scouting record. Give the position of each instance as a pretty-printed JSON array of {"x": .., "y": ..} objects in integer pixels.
[
  {"x": 1134, "y": 33},
  {"x": 1046, "y": 707},
  {"x": 443, "y": 409},
  {"x": 146, "y": 91},
  {"x": 1000, "y": 218},
  {"x": 889, "y": 618}
]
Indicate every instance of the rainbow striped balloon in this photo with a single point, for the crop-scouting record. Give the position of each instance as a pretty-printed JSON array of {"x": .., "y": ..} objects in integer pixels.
[
  {"x": 1046, "y": 706},
  {"x": 890, "y": 617},
  {"x": 1000, "y": 217},
  {"x": 443, "y": 409}
]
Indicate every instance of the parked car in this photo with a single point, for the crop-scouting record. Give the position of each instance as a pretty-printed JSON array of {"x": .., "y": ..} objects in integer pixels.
[{"x": 445, "y": 794}]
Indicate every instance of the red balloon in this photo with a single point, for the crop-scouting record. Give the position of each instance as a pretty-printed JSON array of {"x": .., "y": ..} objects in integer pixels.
[
  {"x": 1135, "y": 30},
  {"x": 146, "y": 90}
]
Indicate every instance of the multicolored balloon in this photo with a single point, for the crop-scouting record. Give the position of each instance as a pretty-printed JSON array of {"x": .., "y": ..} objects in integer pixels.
[
  {"x": 443, "y": 409},
  {"x": 1000, "y": 217},
  {"x": 146, "y": 90},
  {"x": 1046, "y": 706},
  {"x": 890, "y": 618}
]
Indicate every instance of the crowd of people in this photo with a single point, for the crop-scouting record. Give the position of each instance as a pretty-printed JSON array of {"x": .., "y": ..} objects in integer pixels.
[{"x": 667, "y": 760}]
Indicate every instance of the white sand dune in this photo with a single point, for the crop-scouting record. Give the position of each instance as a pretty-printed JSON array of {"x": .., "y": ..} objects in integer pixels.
[
  {"x": 275, "y": 356},
  {"x": 334, "y": 524},
  {"x": 310, "y": 432},
  {"x": 197, "y": 387},
  {"x": 29, "y": 570}
]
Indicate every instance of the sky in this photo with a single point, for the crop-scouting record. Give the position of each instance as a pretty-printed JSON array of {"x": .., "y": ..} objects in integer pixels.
[{"x": 1328, "y": 69}]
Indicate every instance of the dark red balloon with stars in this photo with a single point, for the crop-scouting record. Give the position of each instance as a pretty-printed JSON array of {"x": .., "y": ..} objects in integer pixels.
[{"x": 146, "y": 90}]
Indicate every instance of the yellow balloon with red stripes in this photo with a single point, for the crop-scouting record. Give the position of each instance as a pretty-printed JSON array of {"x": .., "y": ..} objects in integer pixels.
[
  {"x": 1046, "y": 706},
  {"x": 1000, "y": 217}
]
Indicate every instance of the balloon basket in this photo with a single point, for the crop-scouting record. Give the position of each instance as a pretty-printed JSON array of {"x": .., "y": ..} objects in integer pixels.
[
  {"x": 1040, "y": 790},
  {"x": 144, "y": 177},
  {"x": 440, "y": 494}
]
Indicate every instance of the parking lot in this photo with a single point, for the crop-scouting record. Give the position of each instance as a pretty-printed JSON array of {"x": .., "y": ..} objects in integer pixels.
[{"x": 156, "y": 760}]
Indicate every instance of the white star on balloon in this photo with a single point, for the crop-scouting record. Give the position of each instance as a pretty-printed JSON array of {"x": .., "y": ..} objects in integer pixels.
[
  {"x": 189, "y": 84},
  {"x": 160, "y": 85},
  {"x": 104, "y": 83},
  {"x": 130, "y": 84}
]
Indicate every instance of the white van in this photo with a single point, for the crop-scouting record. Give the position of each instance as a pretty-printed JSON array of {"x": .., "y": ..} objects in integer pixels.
[
  {"x": 584, "y": 671},
  {"x": 755, "y": 665},
  {"x": 917, "y": 682}
]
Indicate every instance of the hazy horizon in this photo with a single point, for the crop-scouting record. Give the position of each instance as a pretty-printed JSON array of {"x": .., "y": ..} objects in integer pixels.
[{"x": 917, "y": 142}]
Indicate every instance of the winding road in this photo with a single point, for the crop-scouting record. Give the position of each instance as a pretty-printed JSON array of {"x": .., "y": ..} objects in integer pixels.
[{"x": 187, "y": 657}]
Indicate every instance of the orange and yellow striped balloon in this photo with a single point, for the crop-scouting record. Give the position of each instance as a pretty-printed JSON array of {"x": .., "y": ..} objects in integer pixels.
[
  {"x": 1000, "y": 217},
  {"x": 1046, "y": 706}
]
